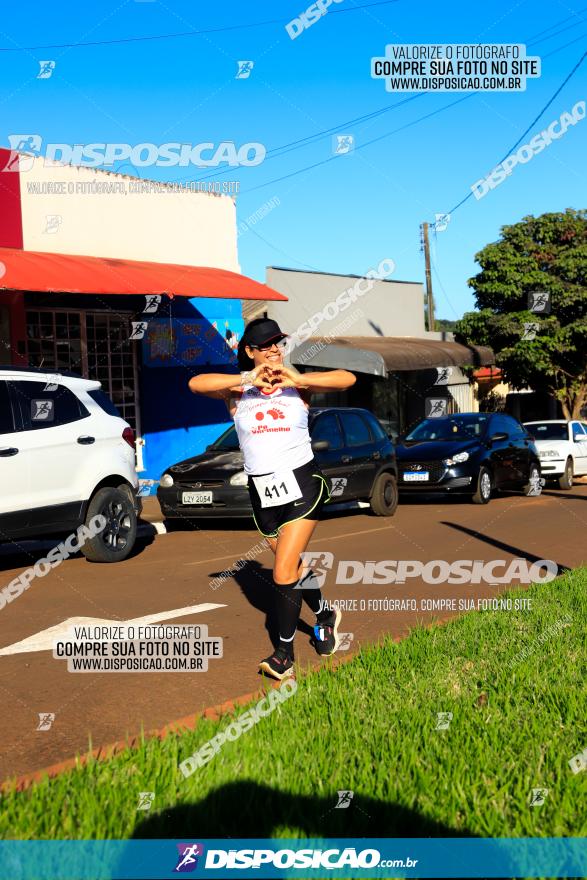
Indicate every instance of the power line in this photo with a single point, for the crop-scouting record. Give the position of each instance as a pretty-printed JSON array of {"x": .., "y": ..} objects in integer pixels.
[
  {"x": 287, "y": 148},
  {"x": 438, "y": 278},
  {"x": 362, "y": 146},
  {"x": 234, "y": 27},
  {"x": 561, "y": 31},
  {"x": 294, "y": 144},
  {"x": 532, "y": 124},
  {"x": 421, "y": 119},
  {"x": 277, "y": 152},
  {"x": 562, "y": 21}
]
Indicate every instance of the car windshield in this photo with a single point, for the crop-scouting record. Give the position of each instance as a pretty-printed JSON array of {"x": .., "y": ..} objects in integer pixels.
[
  {"x": 227, "y": 441},
  {"x": 457, "y": 427},
  {"x": 549, "y": 430}
]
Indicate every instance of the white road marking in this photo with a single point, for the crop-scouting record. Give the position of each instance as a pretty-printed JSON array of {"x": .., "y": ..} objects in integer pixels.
[{"x": 43, "y": 640}]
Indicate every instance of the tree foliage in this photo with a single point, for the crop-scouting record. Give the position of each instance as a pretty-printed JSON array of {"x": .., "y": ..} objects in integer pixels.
[{"x": 540, "y": 254}]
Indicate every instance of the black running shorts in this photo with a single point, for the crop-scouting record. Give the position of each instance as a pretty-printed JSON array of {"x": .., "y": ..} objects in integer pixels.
[{"x": 315, "y": 494}]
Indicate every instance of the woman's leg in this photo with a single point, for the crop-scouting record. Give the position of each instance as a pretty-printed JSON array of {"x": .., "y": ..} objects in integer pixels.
[
  {"x": 290, "y": 576},
  {"x": 273, "y": 544},
  {"x": 292, "y": 541}
]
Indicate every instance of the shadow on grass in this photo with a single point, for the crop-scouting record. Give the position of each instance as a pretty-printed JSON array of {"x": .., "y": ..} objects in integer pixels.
[{"x": 248, "y": 809}]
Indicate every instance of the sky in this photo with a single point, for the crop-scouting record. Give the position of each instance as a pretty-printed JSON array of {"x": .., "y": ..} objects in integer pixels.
[{"x": 352, "y": 211}]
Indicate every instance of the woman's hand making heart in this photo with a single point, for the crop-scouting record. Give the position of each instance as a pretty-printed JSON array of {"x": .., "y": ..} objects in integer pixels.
[
  {"x": 283, "y": 377},
  {"x": 261, "y": 379}
]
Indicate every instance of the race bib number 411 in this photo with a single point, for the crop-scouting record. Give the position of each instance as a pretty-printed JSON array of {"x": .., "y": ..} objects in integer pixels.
[{"x": 277, "y": 488}]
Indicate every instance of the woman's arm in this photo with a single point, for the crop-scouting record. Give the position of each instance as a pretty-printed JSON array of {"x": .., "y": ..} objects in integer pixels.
[
  {"x": 218, "y": 385},
  {"x": 221, "y": 385},
  {"x": 330, "y": 380}
]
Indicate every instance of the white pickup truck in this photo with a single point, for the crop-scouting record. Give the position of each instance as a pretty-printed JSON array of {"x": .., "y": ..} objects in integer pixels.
[{"x": 562, "y": 447}]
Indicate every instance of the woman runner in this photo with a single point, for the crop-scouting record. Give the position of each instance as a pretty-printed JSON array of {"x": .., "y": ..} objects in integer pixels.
[{"x": 269, "y": 405}]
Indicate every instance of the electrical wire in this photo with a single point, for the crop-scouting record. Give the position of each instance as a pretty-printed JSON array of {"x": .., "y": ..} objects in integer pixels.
[
  {"x": 233, "y": 27},
  {"x": 529, "y": 128},
  {"x": 294, "y": 144}
]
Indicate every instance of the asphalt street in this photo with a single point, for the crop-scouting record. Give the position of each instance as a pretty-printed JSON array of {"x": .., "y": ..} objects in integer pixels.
[{"x": 173, "y": 571}]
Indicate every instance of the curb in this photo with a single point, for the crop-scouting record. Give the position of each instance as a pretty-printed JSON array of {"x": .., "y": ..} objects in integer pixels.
[
  {"x": 148, "y": 529},
  {"x": 188, "y": 722},
  {"x": 103, "y": 753}
]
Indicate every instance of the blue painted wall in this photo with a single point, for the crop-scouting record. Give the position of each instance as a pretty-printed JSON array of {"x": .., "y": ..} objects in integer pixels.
[{"x": 177, "y": 424}]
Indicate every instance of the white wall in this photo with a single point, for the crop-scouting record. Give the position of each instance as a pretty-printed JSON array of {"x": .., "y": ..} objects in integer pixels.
[
  {"x": 190, "y": 228},
  {"x": 390, "y": 308}
]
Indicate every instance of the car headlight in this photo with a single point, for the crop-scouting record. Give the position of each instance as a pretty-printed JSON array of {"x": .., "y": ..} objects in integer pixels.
[
  {"x": 457, "y": 459},
  {"x": 548, "y": 453},
  {"x": 166, "y": 481},
  {"x": 240, "y": 479}
]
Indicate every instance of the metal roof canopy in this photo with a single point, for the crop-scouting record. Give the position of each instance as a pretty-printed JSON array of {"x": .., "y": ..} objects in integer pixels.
[
  {"x": 380, "y": 355},
  {"x": 70, "y": 273}
]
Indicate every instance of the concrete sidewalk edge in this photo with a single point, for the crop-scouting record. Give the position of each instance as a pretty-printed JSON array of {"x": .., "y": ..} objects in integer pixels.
[{"x": 188, "y": 722}]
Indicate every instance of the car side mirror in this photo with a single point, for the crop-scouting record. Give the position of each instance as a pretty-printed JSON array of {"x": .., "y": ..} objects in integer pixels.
[
  {"x": 578, "y": 438},
  {"x": 320, "y": 445},
  {"x": 500, "y": 435}
]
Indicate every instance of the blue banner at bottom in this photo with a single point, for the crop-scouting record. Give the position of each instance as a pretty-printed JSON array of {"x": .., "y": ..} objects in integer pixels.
[{"x": 259, "y": 858}]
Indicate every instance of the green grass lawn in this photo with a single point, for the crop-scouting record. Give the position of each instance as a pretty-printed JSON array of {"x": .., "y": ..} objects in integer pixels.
[{"x": 515, "y": 682}]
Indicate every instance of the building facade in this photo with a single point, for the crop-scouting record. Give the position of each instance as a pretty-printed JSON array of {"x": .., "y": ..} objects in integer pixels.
[
  {"x": 376, "y": 328},
  {"x": 96, "y": 272}
]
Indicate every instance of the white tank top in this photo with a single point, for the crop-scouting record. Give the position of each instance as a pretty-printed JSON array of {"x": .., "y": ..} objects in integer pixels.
[{"x": 272, "y": 430}]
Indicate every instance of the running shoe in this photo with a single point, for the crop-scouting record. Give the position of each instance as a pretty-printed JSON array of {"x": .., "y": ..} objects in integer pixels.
[
  {"x": 325, "y": 639},
  {"x": 279, "y": 665}
]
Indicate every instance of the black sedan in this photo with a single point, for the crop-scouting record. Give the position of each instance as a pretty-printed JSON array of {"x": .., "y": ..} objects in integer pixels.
[
  {"x": 472, "y": 453},
  {"x": 351, "y": 448}
]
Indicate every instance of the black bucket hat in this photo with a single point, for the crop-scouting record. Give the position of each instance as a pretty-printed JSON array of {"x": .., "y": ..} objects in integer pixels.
[{"x": 262, "y": 332}]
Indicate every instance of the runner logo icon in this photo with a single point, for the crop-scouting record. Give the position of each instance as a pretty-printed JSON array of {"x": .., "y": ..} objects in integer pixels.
[
  {"x": 319, "y": 563},
  {"x": 187, "y": 860}
]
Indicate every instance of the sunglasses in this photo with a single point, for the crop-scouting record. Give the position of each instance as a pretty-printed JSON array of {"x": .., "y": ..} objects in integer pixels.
[{"x": 279, "y": 345}]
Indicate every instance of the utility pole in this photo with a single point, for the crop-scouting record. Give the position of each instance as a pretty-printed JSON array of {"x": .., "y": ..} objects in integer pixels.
[{"x": 429, "y": 296}]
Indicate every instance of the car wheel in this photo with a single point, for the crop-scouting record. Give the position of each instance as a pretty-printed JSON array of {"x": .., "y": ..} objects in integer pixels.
[
  {"x": 566, "y": 481},
  {"x": 533, "y": 486},
  {"x": 117, "y": 538},
  {"x": 384, "y": 496},
  {"x": 483, "y": 493}
]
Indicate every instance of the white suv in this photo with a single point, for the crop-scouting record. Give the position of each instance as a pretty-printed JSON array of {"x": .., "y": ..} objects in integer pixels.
[
  {"x": 66, "y": 456},
  {"x": 562, "y": 447}
]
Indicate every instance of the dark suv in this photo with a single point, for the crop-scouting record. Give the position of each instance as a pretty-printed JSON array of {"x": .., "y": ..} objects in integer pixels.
[{"x": 351, "y": 448}]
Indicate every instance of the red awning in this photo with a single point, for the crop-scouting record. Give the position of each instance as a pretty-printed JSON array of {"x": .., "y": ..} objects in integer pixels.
[{"x": 68, "y": 273}]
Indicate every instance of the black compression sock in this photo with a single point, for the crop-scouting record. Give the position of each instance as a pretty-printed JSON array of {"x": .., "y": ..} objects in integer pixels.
[
  {"x": 311, "y": 591},
  {"x": 289, "y": 605}
]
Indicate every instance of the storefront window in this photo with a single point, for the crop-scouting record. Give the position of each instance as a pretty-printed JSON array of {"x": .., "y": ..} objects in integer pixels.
[{"x": 95, "y": 345}]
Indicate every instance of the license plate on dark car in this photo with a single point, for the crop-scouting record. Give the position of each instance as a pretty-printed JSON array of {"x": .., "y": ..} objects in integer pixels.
[{"x": 196, "y": 498}]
